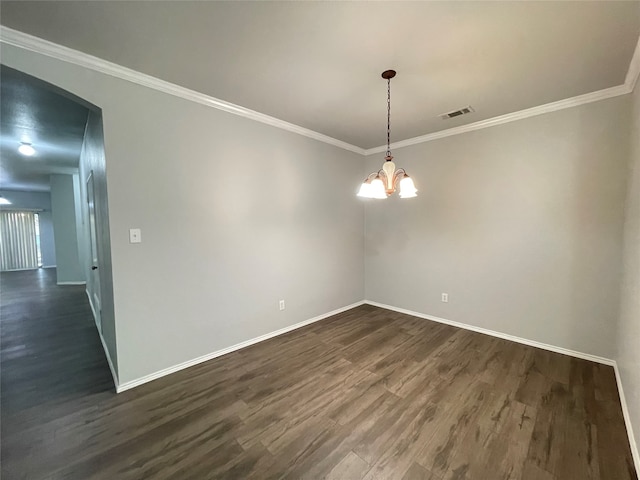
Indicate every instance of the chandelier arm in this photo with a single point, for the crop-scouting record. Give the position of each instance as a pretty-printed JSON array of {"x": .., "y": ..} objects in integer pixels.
[
  {"x": 371, "y": 176},
  {"x": 400, "y": 171}
]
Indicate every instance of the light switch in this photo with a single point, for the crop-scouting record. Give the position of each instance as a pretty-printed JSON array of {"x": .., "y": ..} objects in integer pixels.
[{"x": 135, "y": 235}]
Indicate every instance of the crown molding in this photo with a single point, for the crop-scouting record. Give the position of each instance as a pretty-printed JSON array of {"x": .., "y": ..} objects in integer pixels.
[
  {"x": 69, "y": 55},
  {"x": 510, "y": 117},
  {"x": 629, "y": 84},
  {"x": 634, "y": 69}
]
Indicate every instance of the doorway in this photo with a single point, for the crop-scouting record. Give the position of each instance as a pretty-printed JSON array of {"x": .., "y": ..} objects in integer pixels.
[{"x": 55, "y": 216}]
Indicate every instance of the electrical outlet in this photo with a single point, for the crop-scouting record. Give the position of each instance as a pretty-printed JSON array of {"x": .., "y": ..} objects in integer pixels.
[
  {"x": 445, "y": 297},
  {"x": 281, "y": 304}
]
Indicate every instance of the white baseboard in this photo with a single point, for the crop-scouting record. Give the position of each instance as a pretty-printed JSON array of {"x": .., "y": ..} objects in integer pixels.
[
  {"x": 93, "y": 310},
  {"x": 627, "y": 420},
  {"x": 104, "y": 345},
  {"x": 544, "y": 346},
  {"x": 48, "y": 266},
  {"x": 493, "y": 333},
  {"x": 116, "y": 383},
  {"x": 552, "y": 348},
  {"x": 71, "y": 283},
  {"x": 181, "y": 366}
]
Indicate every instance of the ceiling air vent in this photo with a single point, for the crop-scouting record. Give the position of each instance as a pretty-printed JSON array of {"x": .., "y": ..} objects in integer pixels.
[{"x": 457, "y": 113}]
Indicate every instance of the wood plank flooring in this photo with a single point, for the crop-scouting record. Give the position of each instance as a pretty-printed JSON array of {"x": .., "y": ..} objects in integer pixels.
[{"x": 367, "y": 394}]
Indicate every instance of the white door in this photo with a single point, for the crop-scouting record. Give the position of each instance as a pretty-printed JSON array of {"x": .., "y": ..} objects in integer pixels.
[{"x": 94, "y": 273}]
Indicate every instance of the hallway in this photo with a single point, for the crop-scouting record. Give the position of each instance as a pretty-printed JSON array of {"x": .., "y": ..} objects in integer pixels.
[{"x": 52, "y": 360}]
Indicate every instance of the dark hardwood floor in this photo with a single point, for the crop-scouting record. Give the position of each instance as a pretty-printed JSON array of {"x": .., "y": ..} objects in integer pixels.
[{"x": 365, "y": 394}]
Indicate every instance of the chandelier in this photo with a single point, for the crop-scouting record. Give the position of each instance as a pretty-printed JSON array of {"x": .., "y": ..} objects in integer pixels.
[{"x": 384, "y": 182}]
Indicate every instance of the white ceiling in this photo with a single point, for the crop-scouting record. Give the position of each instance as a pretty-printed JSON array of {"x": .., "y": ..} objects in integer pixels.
[
  {"x": 31, "y": 111},
  {"x": 318, "y": 64}
]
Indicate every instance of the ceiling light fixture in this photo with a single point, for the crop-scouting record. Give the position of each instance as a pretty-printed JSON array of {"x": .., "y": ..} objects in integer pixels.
[
  {"x": 26, "y": 149},
  {"x": 383, "y": 183}
]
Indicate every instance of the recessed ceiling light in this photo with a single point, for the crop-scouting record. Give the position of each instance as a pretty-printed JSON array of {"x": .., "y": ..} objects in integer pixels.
[
  {"x": 26, "y": 149},
  {"x": 4, "y": 201}
]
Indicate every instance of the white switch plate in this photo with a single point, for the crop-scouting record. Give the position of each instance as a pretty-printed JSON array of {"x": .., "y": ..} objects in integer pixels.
[
  {"x": 135, "y": 235},
  {"x": 281, "y": 304},
  {"x": 445, "y": 297}
]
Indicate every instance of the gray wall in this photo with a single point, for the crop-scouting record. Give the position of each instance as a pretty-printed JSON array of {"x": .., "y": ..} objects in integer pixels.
[
  {"x": 628, "y": 355},
  {"x": 63, "y": 210},
  {"x": 521, "y": 224},
  {"x": 92, "y": 159},
  {"x": 40, "y": 201},
  {"x": 235, "y": 215}
]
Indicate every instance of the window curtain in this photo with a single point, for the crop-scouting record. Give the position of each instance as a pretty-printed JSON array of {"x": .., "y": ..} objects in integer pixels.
[{"x": 18, "y": 250}]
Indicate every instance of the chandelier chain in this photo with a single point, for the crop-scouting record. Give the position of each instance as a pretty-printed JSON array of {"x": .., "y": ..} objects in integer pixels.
[{"x": 388, "y": 117}]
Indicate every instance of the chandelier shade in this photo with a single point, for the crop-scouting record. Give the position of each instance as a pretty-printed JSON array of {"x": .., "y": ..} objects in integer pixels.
[
  {"x": 385, "y": 181},
  {"x": 407, "y": 188}
]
